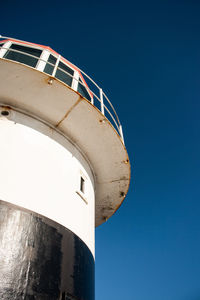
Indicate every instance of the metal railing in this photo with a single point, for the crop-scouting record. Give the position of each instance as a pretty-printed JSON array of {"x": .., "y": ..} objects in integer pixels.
[{"x": 97, "y": 97}]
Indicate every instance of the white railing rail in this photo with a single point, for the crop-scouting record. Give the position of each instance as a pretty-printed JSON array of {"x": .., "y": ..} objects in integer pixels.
[{"x": 101, "y": 101}]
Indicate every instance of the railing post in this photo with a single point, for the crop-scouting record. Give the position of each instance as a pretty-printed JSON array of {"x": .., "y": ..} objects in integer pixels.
[
  {"x": 42, "y": 60},
  {"x": 92, "y": 100},
  {"x": 121, "y": 133},
  {"x": 56, "y": 66},
  {"x": 101, "y": 98},
  {"x": 5, "y": 48}
]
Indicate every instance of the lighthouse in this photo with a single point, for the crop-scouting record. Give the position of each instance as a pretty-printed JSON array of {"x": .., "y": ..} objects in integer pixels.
[{"x": 64, "y": 171}]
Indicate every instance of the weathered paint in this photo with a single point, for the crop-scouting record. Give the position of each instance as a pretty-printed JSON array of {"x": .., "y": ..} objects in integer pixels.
[
  {"x": 41, "y": 259},
  {"x": 28, "y": 92}
]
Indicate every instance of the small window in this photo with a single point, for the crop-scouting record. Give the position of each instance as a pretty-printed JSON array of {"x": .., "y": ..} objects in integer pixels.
[
  {"x": 23, "y": 57},
  {"x": 82, "y": 90},
  {"x": 1, "y": 45},
  {"x": 81, "y": 187},
  {"x": 65, "y": 77},
  {"x": 82, "y": 184},
  {"x": 50, "y": 64}
]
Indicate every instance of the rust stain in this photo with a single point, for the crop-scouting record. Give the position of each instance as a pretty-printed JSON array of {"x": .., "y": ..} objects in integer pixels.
[
  {"x": 126, "y": 161},
  {"x": 68, "y": 112},
  {"x": 122, "y": 194},
  {"x": 114, "y": 180},
  {"x": 50, "y": 80},
  {"x": 5, "y": 107},
  {"x": 5, "y": 111},
  {"x": 102, "y": 121}
]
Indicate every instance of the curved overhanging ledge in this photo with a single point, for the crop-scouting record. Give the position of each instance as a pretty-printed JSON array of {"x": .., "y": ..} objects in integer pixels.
[{"x": 65, "y": 111}]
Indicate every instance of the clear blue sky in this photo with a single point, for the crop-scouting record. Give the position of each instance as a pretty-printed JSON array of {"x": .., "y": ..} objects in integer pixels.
[{"x": 146, "y": 56}]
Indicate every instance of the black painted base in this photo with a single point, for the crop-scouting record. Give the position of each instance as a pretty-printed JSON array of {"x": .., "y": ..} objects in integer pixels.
[{"x": 42, "y": 260}]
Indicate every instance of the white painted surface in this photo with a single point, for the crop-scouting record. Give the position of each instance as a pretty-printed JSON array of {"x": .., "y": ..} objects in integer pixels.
[
  {"x": 5, "y": 48},
  {"x": 26, "y": 90},
  {"x": 39, "y": 174},
  {"x": 44, "y": 58}
]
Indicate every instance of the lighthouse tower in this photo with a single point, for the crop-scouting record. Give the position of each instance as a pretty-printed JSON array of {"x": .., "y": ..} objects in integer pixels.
[{"x": 64, "y": 170}]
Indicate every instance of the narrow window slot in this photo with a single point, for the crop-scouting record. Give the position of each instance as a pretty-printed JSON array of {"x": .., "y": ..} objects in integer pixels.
[
  {"x": 82, "y": 184},
  {"x": 82, "y": 188}
]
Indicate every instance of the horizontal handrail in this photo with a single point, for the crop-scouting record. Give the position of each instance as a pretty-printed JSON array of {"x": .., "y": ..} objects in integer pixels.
[{"x": 102, "y": 99}]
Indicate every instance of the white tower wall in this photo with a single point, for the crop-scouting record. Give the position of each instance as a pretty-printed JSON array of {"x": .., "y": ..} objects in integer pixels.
[{"x": 40, "y": 175}]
